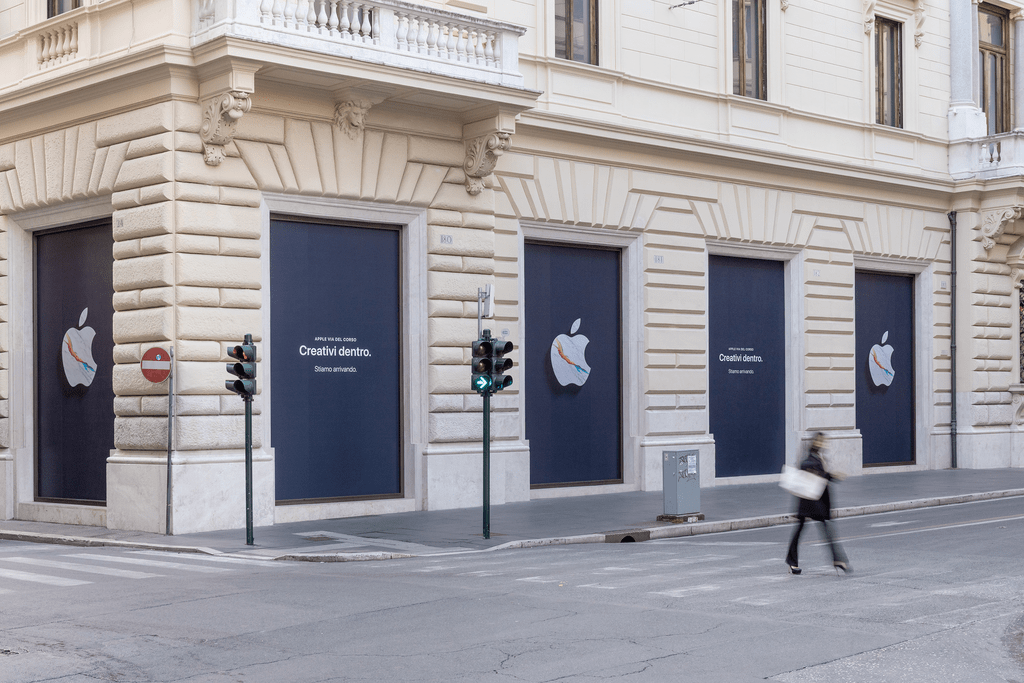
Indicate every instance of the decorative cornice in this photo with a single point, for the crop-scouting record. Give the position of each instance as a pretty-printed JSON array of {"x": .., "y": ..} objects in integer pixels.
[
  {"x": 481, "y": 155},
  {"x": 220, "y": 118},
  {"x": 869, "y": 16},
  {"x": 1015, "y": 273},
  {"x": 350, "y": 117},
  {"x": 993, "y": 224},
  {"x": 784, "y": 5}
]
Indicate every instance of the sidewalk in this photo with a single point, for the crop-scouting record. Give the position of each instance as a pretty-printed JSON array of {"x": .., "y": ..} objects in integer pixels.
[{"x": 580, "y": 519}]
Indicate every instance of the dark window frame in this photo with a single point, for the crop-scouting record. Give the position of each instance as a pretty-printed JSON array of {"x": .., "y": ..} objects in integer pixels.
[
  {"x": 998, "y": 121},
  {"x": 743, "y": 82},
  {"x": 888, "y": 72},
  {"x": 565, "y": 10},
  {"x": 57, "y": 7}
]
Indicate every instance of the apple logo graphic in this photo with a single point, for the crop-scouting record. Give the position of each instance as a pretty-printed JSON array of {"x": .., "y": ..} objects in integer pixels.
[
  {"x": 568, "y": 359},
  {"x": 76, "y": 352},
  {"x": 880, "y": 363}
]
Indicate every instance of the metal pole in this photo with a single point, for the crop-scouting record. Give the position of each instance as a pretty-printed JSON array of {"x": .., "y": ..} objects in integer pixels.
[
  {"x": 952, "y": 337},
  {"x": 487, "y": 464},
  {"x": 248, "y": 471},
  {"x": 170, "y": 434}
]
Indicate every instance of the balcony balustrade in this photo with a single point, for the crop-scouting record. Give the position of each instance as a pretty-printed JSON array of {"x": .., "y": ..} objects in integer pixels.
[
  {"x": 994, "y": 156},
  {"x": 390, "y": 32}
]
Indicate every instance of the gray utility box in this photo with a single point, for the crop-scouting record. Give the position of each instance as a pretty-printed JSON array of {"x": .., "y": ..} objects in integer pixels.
[{"x": 681, "y": 471}]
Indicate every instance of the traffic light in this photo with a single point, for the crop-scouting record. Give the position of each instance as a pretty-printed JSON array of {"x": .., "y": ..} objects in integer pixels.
[
  {"x": 500, "y": 365},
  {"x": 482, "y": 350},
  {"x": 244, "y": 369}
]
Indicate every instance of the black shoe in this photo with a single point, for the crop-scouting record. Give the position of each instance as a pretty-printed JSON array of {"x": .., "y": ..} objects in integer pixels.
[
  {"x": 794, "y": 569},
  {"x": 845, "y": 566}
]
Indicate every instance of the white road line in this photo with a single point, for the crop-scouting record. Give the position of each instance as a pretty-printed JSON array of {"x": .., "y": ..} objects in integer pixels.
[
  {"x": 596, "y": 585},
  {"x": 683, "y": 592},
  {"x": 884, "y": 524},
  {"x": 212, "y": 558},
  {"x": 149, "y": 563},
  {"x": 539, "y": 579},
  {"x": 40, "y": 578},
  {"x": 942, "y": 527},
  {"x": 108, "y": 571}
]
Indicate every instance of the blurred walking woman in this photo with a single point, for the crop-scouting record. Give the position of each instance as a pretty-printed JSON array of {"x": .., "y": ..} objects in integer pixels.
[{"x": 819, "y": 510}]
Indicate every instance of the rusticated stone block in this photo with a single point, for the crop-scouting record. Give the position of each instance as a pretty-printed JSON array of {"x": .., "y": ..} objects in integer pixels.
[
  {"x": 144, "y": 271},
  {"x": 148, "y": 324},
  {"x": 151, "y": 170},
  {"x": 136, "y": 124},
  {"x": 202, "y": 432},
  {"x": 201, "y": 270},
  {"x": 144, "y": 221},
  {"x": 213, "y": 219},
  {"x": 217, "y": 323}
]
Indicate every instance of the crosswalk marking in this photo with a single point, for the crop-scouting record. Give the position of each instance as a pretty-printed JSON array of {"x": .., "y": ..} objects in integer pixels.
[
  {"x": 214, "y": 558},
  {"x": 149, "y": 563},
  {"x": 88, "y": 569},
  {"x": 40, "y": 578}
]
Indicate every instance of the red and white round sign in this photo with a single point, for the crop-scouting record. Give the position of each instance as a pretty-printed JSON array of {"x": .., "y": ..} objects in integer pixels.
[{"x": 156, "y": 364}]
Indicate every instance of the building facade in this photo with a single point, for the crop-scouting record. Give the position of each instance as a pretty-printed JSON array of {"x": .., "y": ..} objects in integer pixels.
[{"x": 710, "y": 226}]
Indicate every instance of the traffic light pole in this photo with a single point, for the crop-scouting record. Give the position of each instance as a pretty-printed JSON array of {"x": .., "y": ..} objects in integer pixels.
[
  {"x": 248, "y": 469},
  {"x": 487, "y": 464}
]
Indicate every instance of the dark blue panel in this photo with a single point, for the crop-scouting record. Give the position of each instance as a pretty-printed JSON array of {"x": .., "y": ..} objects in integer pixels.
[
  {"x": 74, "y": 391},
  {"x": 335, "y": 418},
  {"x": 885, "y": 389},
  {"x": 747, "y": 365},
  {"x": 575, "y": 430}
]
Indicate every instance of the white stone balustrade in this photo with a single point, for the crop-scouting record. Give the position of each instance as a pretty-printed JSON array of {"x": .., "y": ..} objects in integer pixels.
[
  {"x": 392, "y": 32},
  {"x": 57, "y": 44},
  {"x": 994, "y": 156}
]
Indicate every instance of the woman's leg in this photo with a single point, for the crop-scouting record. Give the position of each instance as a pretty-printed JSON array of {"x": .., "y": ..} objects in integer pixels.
[
  {"x": 838, "y": 556},
  {"x": 792, "y": 558}
]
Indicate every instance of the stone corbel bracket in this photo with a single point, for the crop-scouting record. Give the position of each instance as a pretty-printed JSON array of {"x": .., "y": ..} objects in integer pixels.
[
  {"x": 869, "y": 16},
  {"x": 226, "y": 86},
  {"x": 220, "y": 118},
  {"x": 919, "y": 18},
  {"x": 481, "y": 156},
  {"x": 994, "y": 224}
]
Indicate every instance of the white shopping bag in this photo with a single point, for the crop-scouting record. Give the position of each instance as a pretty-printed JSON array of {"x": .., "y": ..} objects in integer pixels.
[{"x": 802, "y": 483}]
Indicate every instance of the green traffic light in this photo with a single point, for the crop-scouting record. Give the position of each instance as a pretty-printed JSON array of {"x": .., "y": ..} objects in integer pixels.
[{"x": 482, "y": 383}]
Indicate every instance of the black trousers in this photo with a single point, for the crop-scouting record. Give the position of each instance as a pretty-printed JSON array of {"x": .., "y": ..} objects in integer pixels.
[{"x": 792, "y": 558}]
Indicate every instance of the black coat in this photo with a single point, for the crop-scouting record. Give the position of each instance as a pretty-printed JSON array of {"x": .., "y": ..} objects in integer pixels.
[{"x": 820, "y": 509}]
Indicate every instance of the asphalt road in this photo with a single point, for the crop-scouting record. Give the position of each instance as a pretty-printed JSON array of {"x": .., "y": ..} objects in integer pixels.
[{"x": 936, "y": 595}]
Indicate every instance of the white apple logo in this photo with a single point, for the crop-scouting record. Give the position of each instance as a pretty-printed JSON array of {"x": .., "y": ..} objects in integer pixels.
[
  {"x": 568, "y": 359},
  {"x": 76, "y": 352},
  {"x": 880, "y": 363}
]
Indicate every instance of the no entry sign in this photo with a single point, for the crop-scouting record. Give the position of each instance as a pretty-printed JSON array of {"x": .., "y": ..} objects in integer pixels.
[{"x": 156, "y": 364}]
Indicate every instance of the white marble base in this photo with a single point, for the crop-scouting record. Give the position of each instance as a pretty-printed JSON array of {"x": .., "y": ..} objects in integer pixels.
[
  {"x": 62, "y": 513},
  {"x": 284, "y": 514},
  {"x": 985, "y": 450},
  {"x": 6, "y": 486},
  {"x": 208, "y": 491},
  {"x": 454, "y": 477}
]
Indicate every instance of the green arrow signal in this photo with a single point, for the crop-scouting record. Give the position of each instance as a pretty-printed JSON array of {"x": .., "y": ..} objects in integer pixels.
[{"x": 482, "y": 383}]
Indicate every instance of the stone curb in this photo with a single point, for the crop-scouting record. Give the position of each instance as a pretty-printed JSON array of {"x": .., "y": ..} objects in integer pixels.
[
  {"x": 81, "y": 541},
  {"x": 653, "y": 533}
]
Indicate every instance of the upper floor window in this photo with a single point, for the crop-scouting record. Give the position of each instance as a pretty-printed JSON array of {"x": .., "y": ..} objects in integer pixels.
[
  {"x": 576, "y": 30},
  {"x": 888, "y": 72},
  {"x": 749, "y": 56},
  {"x": 55, "y": 7},
  {"x": 993, "y": 44}
]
